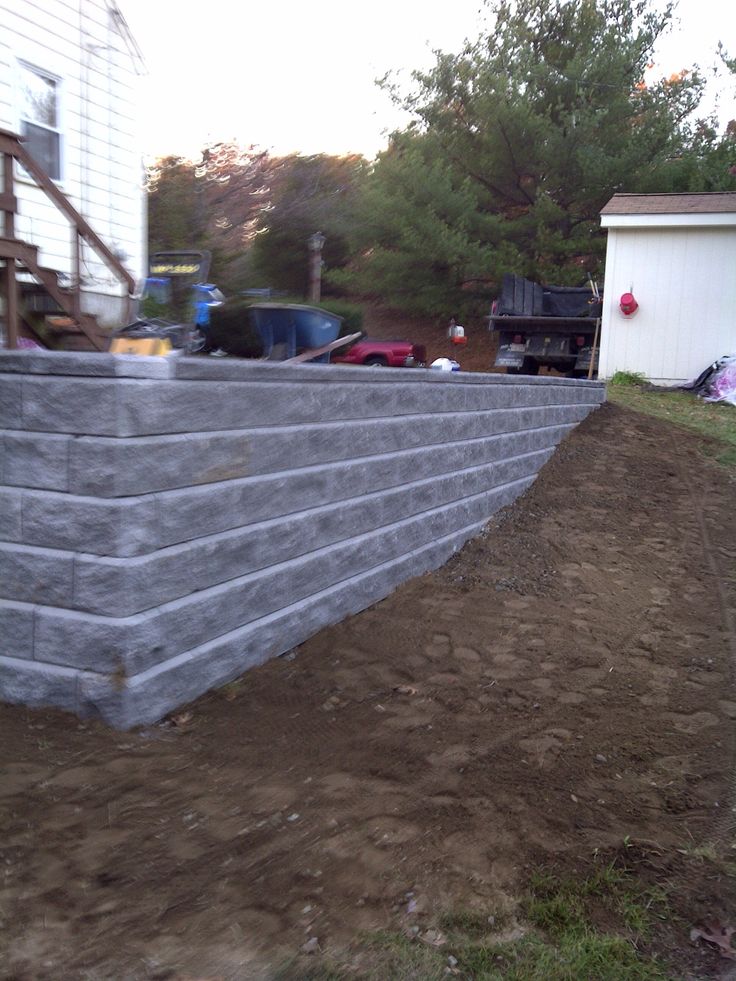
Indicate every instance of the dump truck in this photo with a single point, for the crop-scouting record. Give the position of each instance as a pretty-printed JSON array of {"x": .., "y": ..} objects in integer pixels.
[{"x": 556, "y": 326}]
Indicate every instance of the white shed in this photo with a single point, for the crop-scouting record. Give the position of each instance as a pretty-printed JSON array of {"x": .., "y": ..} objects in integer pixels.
[
  {"x": 676, "y": 253},
  {"x": 69, "y": 90}
]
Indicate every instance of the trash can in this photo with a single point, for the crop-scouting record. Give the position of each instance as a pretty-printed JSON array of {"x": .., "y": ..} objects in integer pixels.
[{"x": 295, "y": 328}]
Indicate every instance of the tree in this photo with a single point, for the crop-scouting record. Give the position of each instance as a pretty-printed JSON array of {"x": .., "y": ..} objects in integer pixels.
[
  {"x": 213, "y": 203},
  {"x": 176, "y": 219},
  {"x": 307, "y": 194},
  {"x": 525, "y": 135},
  {"x": 419, "y": 236}
]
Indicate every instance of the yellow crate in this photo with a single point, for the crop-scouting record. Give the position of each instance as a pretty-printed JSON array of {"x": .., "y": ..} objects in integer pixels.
[{"x": 140, "y": 345}]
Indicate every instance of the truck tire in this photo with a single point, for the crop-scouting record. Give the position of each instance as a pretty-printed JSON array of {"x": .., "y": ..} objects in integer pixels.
[
  {"x": 376, "y": 361},
  {"x": 529, "y": 367}
]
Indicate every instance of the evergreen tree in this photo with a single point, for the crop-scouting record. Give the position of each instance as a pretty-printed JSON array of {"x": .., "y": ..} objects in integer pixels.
[{"x": 517, "y": 143}]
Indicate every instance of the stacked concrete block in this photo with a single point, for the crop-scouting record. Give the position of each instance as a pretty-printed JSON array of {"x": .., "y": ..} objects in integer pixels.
[{"x": 167, "y": 523}]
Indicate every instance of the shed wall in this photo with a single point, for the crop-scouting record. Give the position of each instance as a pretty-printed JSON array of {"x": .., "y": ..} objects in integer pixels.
[{"x": 684, "y": 281}]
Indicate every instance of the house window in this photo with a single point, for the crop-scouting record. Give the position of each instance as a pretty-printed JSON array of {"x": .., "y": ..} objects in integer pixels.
[{"x": 39, "y": 119}]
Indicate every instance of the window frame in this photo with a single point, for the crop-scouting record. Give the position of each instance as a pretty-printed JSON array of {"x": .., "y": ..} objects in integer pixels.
[{"x": 24, "y": 66}]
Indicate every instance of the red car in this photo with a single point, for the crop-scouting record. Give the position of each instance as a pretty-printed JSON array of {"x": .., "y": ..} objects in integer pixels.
[{"x": 383, "y": 354}]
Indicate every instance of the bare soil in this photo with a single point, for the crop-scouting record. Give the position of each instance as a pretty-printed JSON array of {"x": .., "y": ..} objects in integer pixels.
[
  {"x": 563, "y": 684},
  {"x": 477, "y": 354}
]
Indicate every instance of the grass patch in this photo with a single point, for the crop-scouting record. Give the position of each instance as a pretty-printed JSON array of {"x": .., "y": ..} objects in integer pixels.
[
  {"x": 565, "y": 906},
  {"x": 576, "y": 928},
  {"x": 714, "y": 420},
  {"x": 578, "y": 957},
  {"x": 628, "y": 378}
]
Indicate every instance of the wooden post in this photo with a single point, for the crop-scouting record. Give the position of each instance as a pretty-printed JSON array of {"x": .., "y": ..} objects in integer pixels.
[
  {"x": 76, "y": 274},
  {"x": 595, "y": 348},
  {"x": 11, "y": 286}
]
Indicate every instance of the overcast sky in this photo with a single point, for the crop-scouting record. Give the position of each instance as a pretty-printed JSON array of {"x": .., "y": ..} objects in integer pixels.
[{"x": 295, "y": 75}]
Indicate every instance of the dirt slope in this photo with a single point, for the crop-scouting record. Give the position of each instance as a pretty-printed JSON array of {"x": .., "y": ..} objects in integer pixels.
[
  {"x": 477, "y": 354},
  {"x": 564, "y": 682}
]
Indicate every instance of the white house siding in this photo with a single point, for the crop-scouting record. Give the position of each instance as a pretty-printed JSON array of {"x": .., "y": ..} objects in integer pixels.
[
  {"x": 684, "y": 279},
  {"x": 81, "y": 43}
]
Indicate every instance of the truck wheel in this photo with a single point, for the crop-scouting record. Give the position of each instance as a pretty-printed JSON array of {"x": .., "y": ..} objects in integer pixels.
[
  {"x": 376, "y": 361},
  {"x": 529, "y": 367}
]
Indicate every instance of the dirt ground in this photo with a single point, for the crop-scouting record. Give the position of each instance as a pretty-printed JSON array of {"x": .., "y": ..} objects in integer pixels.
[
  {"x": 477, "y": 354},
  {"x": 563, "y": 684}
]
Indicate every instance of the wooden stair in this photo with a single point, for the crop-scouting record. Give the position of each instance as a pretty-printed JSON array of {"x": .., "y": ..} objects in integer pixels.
[
  {"x": 19, "y": 256},
  {"x": 25, "y": 256}
]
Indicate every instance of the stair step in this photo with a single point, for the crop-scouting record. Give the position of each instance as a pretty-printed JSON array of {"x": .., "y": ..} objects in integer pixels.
[{"x": 27, "y": 254}]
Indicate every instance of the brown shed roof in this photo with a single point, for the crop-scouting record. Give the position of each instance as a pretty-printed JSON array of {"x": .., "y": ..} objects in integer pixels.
[{"x": 714, "y": 202}]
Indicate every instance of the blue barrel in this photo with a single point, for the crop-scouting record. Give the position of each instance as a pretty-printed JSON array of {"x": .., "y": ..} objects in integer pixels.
[{"x": 295, "y": 326}]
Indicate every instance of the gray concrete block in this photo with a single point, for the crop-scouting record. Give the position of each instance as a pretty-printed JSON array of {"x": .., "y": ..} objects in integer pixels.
[
  {"x": 145, "y": 698},
  {"x": 321, "y": 488},
  {"x": 84, "y": 364},
  {"x": 165, "y": 575},
  {"x": 36, "y": 575},
  {"x": 35, "y": 460},
  {"x": 11, "y": 414},
  {"x": 123, "y": 587},
  {"x": 148, "y": 696},
  {"x": 10, "y": 515},
  {"x": 288, "y": 448},
  {"x": 124, "y": 527},
  {"x": 136, "y": 366},
  {"x": 197, "y": 512},
  {"x": 103, "y": 644},
  {"x": 161, "y": 407},
  {"x": 16, "y": 630},
  {"x": 247, "y": 371},
  {"x": 121, "y": 467},
  {"x": 71, "y": 405},
  {"x": 36, "y": 685},
  {"x": 136, "y": 644}
]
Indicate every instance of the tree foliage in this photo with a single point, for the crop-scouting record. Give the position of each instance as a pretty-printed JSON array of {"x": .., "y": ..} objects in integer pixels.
[
  {"x": 308, "y": 194},
  {"x": 213, "y": 203},
  {"x": 253, "y": 212},
  {"x": 517, "y": 143}
]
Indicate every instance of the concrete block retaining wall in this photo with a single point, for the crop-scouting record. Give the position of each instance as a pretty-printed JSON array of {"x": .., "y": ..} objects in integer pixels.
[{"x": 167, "y": 523}]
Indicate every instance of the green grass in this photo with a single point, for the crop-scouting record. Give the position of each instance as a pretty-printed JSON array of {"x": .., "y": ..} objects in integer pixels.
[
  {"x": 715, "y": 420},
  {"x": 573, "y": 928},
  {"x": 576, "y": 957}
]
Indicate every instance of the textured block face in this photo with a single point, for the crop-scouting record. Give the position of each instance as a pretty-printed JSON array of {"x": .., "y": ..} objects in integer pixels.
[
  {"x": 16, "y": 630},
  {"x": 126, "y": 467},
  {"x": 34, "y": 684},
  {"x": 167, "y": 523},
  {"x": 70, "y": 405},
  {"x": 126, "y": 526},
  {"x": 10, "y": 516},
  {"x": 35, "y": 460},
  {"x": 10, "y": 402},
  {"x": 36, "y": 575}
]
